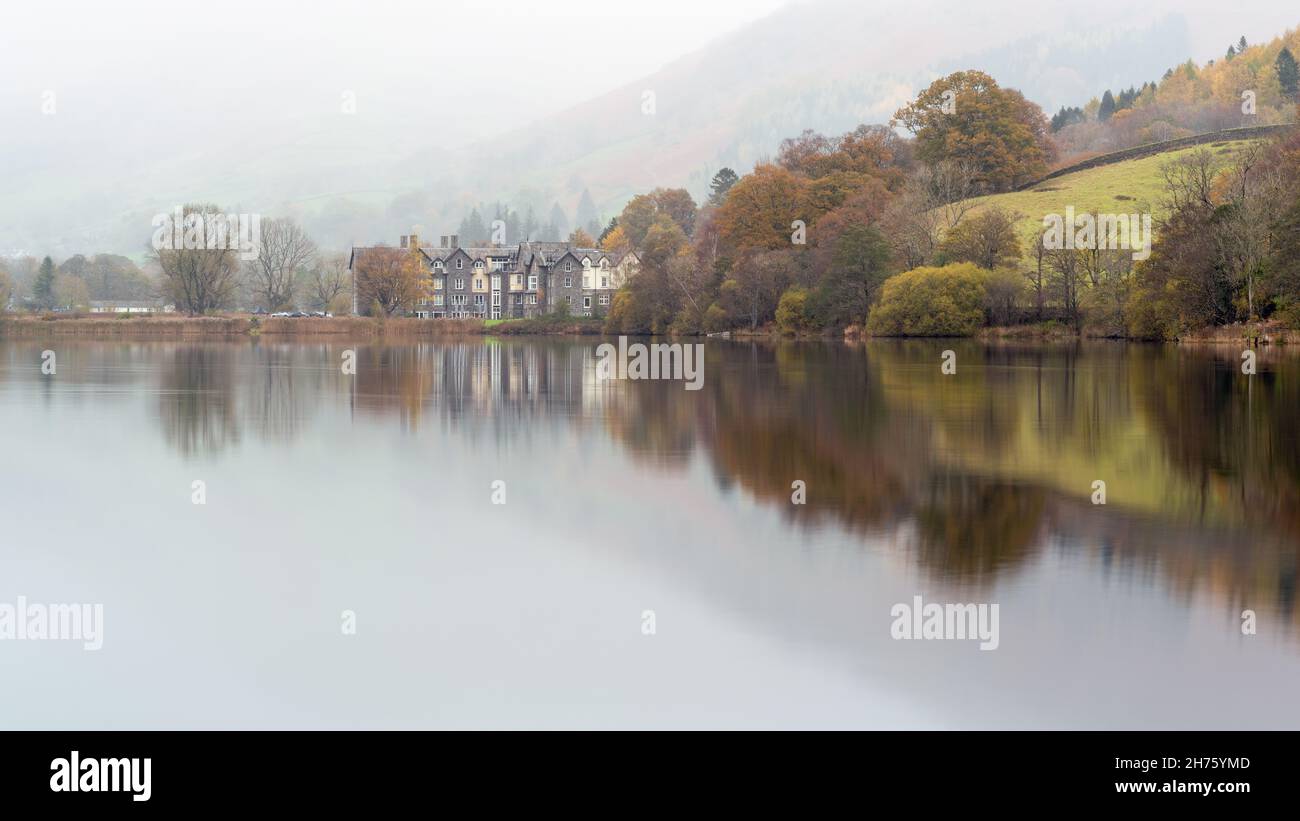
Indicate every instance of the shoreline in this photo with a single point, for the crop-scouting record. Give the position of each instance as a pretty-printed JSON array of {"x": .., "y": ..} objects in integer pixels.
[{"x": 1269, "y": 333}]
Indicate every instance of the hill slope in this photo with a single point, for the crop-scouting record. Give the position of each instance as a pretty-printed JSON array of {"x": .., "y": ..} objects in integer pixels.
[{"x": 1127, "y": 187}]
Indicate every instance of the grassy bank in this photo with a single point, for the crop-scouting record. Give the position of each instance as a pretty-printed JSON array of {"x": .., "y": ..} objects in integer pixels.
[{"x": 551, "y": 324}]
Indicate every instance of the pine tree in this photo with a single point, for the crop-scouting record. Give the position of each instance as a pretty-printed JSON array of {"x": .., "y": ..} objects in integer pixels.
[
  {"x": 1241, "y": 44},
  {"x": 1107, "y": 107},
  {"x": 559, "y": 221},
  {"x": 721, "y": 184},
  {"x": 1232, "y": 52},
  {"x": 1288, "y": 76},
  {"x": 43, "y": 289},
  {"x": 586, "y": 213}
]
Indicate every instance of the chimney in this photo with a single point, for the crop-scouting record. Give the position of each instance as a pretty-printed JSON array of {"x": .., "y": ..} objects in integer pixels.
[
  {"x": 455, "y": 241},
  {"x": 415, "y": 242},
  {"x": 403, "y": 240},
  {"x": 444, "y": 239}
]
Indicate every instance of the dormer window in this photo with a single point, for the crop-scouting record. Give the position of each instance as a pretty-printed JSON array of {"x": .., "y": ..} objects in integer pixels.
[
  {"x": 478, "y": 263},
  {"x": 604, "y": 263},
  {"x": 586, "y": 263},
  {"x": 460, "y": 263},
  {"x": 437, "y": 264}
]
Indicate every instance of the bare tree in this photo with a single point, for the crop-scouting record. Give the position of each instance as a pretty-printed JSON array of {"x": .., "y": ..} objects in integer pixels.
[
  {"x": 327, "y": 278},
  {"x": 284, "y": 251},
  {"x": 199, "y": 279}
]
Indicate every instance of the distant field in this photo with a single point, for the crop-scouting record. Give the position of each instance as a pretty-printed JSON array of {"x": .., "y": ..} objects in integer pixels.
[{"x": 1128, "y": 187}]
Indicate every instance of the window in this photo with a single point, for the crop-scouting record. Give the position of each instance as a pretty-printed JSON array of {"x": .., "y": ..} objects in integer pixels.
[
  {"x": 532, "y": 299},
  {"x": 586, "y": 302},
  {"x": 604, "y": 282},
  {"x": 479, "y": 300},
  {"x": 568, "y": 282},
  {"x": 496, "y": 299},
  {"x": 460, "y": 283},
  {"x": 569, "y": 299},
  {"x": 568, "y": 266},
  {"x": 460, "y": 263},
  {"x": 437, "y": 265},
  {"x": 437, "y": 283},
  {"x": 437, "y": 300},
  {"x": 519, "y": 299},
  {"x": 604, "y": 299},
  {"x": 519, "y": 279},
  {"x": 532, "y": 282},
  {"x": 604, "y": 263},
  {"x": 478, "y": 265},
  {"x": 496, "y": 282},
  {"x": 480, "y": 284},
  {"x": 586, "y": 263},
  {"x": 496, "y": 313},
  {"x": 459, "y": 299}
]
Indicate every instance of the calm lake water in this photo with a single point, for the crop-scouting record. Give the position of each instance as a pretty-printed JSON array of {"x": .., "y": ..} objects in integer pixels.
[{"x": 373, "y": 494}]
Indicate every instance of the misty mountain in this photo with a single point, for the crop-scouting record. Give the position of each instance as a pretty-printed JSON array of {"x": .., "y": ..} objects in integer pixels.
[{"x": 825, "y": 65}]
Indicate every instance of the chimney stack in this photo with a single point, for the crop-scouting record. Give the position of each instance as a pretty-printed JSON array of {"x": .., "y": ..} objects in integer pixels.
[
  {"x": 404, "y": 240},
  {"x": 455, "y": 241},
  {"x": 444, "y": 239}
]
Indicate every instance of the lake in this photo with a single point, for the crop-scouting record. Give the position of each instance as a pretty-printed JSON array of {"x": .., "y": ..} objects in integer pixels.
[{"x": 481, "y": 533}]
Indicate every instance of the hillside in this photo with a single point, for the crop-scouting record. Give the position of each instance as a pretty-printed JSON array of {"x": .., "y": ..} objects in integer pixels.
[{"x": 1127, "y": 187}]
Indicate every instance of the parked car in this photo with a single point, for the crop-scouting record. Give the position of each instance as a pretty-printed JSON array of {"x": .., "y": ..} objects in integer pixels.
[{"x": 281, "y": 313}]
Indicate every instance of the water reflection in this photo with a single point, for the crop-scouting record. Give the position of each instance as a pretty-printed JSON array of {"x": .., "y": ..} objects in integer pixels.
[{"x": 968, "y": 477}]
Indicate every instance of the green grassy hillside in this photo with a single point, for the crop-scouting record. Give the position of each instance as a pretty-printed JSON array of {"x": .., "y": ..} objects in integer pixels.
[{"x": 1128, "y": 187}]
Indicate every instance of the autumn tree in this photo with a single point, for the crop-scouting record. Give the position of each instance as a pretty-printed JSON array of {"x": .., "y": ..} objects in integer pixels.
[
  {"x": 760, "y": 209},
  {"x": 581, "y": 239},
  {"x": 640, "y": 213},
  {"x": 968, "y": 117},
  {"x": 987, "y": 239},
  {"x": 390, "y": 278}
]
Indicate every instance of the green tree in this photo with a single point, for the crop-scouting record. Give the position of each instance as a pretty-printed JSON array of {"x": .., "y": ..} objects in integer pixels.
[
  {"x": 43, "y": 289},
  {"x": 1288, "y": 76},
  {"x": 791, "y": 312},
  {"x": 1107, "y": 109},
  {"x": 946, "y": 301},
  {"x": 720, "y": 185},
  {"x": 6, "y": 289}
]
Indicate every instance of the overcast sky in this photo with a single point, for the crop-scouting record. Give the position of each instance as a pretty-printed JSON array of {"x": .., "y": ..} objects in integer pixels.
[
  {"x": 156, "y": 100},
  {"x": 499, "y": 59},
  {"x": 175, "y": 65}
]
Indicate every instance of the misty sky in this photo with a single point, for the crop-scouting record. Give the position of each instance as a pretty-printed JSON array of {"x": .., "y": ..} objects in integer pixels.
[{"x": 239, "y": 100}]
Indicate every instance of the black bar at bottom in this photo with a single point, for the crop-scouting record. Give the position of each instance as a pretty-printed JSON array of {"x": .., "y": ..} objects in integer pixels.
[{"x": 364, "y": 769}]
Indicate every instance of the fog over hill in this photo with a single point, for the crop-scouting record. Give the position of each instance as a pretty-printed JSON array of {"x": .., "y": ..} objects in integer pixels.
[{"x": 255, "y": 118}]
